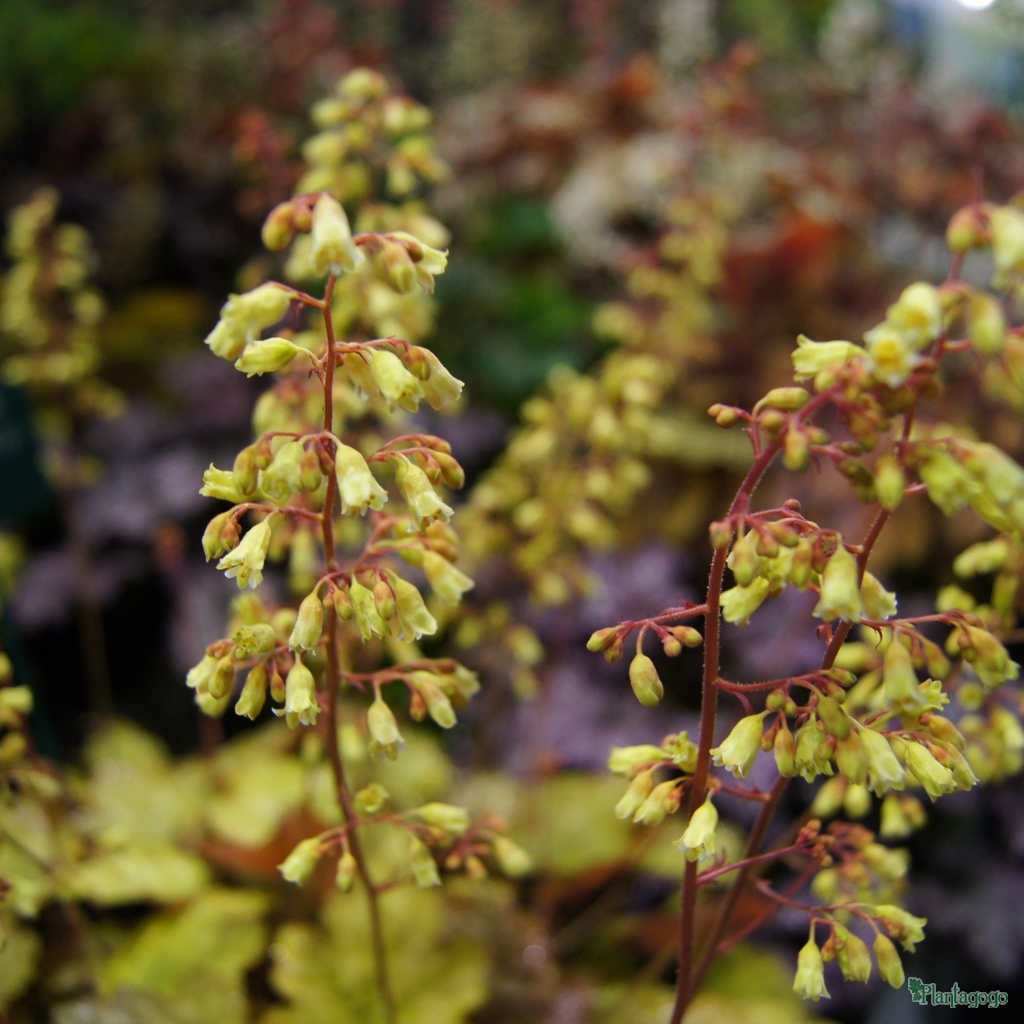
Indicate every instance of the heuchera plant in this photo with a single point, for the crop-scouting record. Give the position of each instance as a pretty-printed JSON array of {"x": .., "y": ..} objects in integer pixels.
[
  {"x": 914, "y": 702},
  {"x": 332, "y": 484}
]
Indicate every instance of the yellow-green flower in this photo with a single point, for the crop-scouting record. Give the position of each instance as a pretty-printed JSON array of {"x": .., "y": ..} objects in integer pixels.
[
  {"x": 245, "y": 563},
  {"x": 809, "y": 982},
  {"x": 698, "y": 841}
]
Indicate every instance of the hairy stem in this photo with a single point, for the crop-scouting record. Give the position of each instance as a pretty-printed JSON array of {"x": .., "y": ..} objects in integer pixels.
[{"x": 333, "y": 688}]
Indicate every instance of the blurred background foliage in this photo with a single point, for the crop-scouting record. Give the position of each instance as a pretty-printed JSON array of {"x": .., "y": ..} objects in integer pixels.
[{"x": 689, "y": 181}]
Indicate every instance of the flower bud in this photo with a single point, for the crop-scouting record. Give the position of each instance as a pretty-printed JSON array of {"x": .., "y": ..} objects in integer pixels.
[
  {"x": 888, "y": 959},
  {"x": 1007, "y": 225},
  {"x": 259, "y": 357},
  {"x": 309, "y": 624},
  {"x": 279, "y": 227},
  {"x": 687, "y": 635},
  {"x": 890, "y": 482},
  {"x": 302, "y": 861},
  {"x": 744, "y": 560},
  {"x": 512, "y": 859},
  {"x": 258, "y": 638},
  {"x": 384, "y": 599},
  {"x": 220, "y": 535},
  {"x": 385, "y": 739},
  {"x": 739, "y": 749},
  {"x": 968, "y": 229},
  {"x": 840, "y": 593},
  {"x": 254, "y": 693},
  {"x": 223, "y": 677},
  {"x": 784, "y": 749},
  {"x": 424, "y": 869},
  {"x": 788, "y": 399},
  {"x": 398, "y": 268},
  {"x": 986, "y": 325},
  {"x": 857, "y": 801},
  {"x": 626, "y": 760},
  {"x": 833, "y": 717},
  {"x": 446, "y": 817},
  {"x": 438, "y": 705},
  {"x": 602, "y": 638},
  {"x": 796, "y": 451},
  {"x": 346, "y": 874},
  {"x": 643, "y": 677}
]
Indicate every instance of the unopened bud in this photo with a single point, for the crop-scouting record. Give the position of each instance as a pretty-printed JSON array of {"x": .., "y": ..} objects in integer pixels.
[{"x": 643, "y": 677}]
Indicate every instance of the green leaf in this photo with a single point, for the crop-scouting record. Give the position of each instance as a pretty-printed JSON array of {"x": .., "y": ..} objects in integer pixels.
[
  {"x": 195, "y": 958},
  {"x": 327, "y": 975},
  {"x": 19, "y": 951},
  {"x": 137, "y": 874}
]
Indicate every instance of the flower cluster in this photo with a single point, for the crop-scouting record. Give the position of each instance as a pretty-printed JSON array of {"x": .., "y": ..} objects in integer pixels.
[{"x": 918, "y": 704}]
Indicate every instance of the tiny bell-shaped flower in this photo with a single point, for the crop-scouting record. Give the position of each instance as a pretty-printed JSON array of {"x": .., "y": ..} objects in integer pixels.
[
  {"x": 739, "y": 603},
  {"x": 890, "y": 482},
  {"x": 853, "y": 955},
  {"x": 357, "y": 486},
  {"x": 639, "y": 790},
  {"x": 811, "y": 357},
  {"x": 440, "y": 388},
  {"x": 331, "y": 245},
  {"x": 739, "y": 749},
  {"x": 809, "y": 982},
  {"x": 300, "y": 703},
  {"x": 396, "y": 384},
  {"x": 244, "y": 564},
  {"x": 365, "y": 608},
  {"x": 644, "y": 679},
  {"x": 917, "y": 314},
  {"x": 227, "y": 339},
  {"x": 890, "y": 966},
  {"x": 385, "y": 739},
  {"x": 901, "y": 686},
  {"x": 698, "y": 841},
  {"x": 413, "y": 618},
  {"x": 259, "y": 357},
  {"x": 447, "y": 582},
  {"x": 878, "y": 603},
  {"x": 884, "y": 769},
  {"x": 936, "y": 778},
  {"x": 662, "y": 800},
  {"x": 901, "y": 925},
  {"x": 840, "y": 593},
  {"x": 421, "y": 498},
  {"x": 254, "y": 693},
  {"x": 302, "y": 861},
  {"x": 309, "y": 624}
]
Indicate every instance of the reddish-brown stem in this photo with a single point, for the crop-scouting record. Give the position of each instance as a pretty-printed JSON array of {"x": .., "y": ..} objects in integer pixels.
[
  {"x": 344, "y": 793},
  {"x": 741, "y": 865}
]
